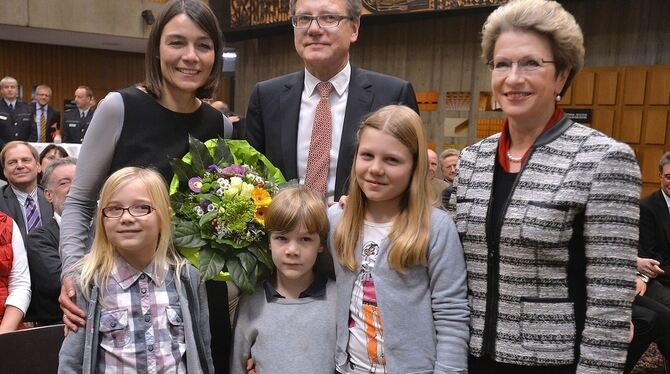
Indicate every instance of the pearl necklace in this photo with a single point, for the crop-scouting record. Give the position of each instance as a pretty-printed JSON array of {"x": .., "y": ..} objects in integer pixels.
[{"x": 514, "y": 159}]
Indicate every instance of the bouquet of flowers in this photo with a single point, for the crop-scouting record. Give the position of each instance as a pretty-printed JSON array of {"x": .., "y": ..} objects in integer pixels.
[{"x": 220, "y": 193}]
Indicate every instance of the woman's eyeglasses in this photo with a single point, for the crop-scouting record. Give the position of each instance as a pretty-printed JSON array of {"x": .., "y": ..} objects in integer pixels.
[
  {"x": 138, "y": 210},
  {"x": 525, "y": 65},
  {"x": 325, "y": 20}
]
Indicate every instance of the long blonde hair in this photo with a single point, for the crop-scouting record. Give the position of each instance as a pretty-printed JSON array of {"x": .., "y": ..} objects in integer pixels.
[
  {"x": 96, "y": 267},
  {"x": 411, "y": 228}
]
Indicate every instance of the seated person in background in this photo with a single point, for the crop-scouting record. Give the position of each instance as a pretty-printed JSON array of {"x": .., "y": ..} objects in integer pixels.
[
  {"x": 48, "y": 154},
  {"x": 288, "y": 326},
  {"x": 654, "y": 249},
  {"x": 437, "y": 184},
  {"x": 14, "y": 276},
  {"x": 22, "y": 199},
  {"x": 43, "y": 257}
]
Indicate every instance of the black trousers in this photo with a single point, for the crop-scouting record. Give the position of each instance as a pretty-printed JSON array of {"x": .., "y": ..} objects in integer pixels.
[
  {"x": 651, "y": 320},
  {"x": 219, "y": 325}
]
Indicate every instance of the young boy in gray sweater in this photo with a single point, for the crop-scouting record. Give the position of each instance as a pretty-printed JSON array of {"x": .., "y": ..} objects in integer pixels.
[{"x": 288, "y": 326}]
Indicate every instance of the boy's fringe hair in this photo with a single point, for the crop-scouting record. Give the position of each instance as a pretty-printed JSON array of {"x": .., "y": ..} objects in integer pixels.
[
  {"x": 411, "y": 229},
  {"x": 97, "y": 265}
]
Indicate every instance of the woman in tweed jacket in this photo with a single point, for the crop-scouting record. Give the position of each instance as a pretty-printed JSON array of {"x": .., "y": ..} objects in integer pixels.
[{"x": 547, "y": 211}]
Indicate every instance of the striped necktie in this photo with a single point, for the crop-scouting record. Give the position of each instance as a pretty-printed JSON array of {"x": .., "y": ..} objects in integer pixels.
[
  {"x": 32, "y": 215},
  {"x": 43, "y": 126}
]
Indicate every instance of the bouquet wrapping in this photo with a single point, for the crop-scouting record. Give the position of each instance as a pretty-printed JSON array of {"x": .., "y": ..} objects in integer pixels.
[{"x": 220, "y": 193}]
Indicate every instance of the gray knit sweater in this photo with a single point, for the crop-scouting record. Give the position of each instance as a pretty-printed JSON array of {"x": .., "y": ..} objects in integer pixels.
[
  {"x": 574, "y": 205},
  {"x": 285, "y": 335},
  {"x": 424, "y": 310}
]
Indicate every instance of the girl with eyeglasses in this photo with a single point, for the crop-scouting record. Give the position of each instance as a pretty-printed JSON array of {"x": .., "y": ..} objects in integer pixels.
[
  {"x": 547, "y": 211},
  {"x": 146, "y": 309}
]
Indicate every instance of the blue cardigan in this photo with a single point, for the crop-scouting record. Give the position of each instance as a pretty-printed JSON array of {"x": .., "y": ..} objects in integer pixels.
[{"x": 424, "y": 310}]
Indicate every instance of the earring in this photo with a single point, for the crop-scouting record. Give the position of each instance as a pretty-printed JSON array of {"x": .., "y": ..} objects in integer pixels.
[{"x": 558, "y": 98}]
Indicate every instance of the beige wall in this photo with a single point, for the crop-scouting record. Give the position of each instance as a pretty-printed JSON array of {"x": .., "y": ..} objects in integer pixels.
[{"x": 110, "y": 17}]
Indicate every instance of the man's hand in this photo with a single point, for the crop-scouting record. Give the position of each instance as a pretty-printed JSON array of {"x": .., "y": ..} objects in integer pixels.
[
  {"x": 640, "y": 286},
  {"x": 649, "y": 267},
  {"x": 73, "y": 316}
]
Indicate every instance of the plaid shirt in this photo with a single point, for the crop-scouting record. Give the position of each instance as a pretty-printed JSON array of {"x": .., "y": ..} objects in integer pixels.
[{"x": 141, "y": 326}]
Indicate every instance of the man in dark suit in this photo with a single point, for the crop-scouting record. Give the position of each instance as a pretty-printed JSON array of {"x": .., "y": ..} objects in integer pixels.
[
  {"x": 22, "y": 199},
  {"x": 16, "y": 120},
  {"x": 43, "y": 257},
  {"x": 282, "y": 111},
  {"x": 76, "y": 121},
  {"x": 654, "y": 250},
  {"x": 41, "y": 109}
]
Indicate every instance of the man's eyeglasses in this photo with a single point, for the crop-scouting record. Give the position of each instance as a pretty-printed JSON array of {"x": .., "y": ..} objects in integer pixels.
[
  {"x": 138, "y": 210},
  {"x": 525, "y": 65},
  {"x": 325, "y": 20}
]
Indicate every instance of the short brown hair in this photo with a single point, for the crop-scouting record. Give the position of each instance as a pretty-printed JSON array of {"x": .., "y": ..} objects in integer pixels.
[
  {"x": 89, "y": 91},
  {"x": 298, "y": 206},
  {"x": 545, "y": 18},
  {"x": 14, "y": 144},
  {"x": 202, "y": 16}
]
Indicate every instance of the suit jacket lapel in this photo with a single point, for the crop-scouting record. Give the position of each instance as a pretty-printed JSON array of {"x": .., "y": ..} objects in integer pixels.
[{"x": 289, "y": 110}]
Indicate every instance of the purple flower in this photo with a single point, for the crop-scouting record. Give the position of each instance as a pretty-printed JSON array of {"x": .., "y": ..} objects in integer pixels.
[
  {"x": 213, "y": 168},
  {"x": 233, "y": 170},
  {"x": 204, "y": 204},
  {"x": 195, "y": 184}
]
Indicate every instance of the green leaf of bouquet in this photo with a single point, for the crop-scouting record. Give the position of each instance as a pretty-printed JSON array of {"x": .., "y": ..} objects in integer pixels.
[
  {"x": 211, "y": 262},
  {"x": 222, "y": 153},
  {"x": 186, "y": 234},
  {"x": 207, "y": 217},
  {"x": 247, "y": 260},
  {"x": 182, "y": 170},
  {"x": 263, "y": 255},
  {"x": 240, "y": 277},
  {"x": 200, "y": 157},
  {"x": 208, "y": 196}
]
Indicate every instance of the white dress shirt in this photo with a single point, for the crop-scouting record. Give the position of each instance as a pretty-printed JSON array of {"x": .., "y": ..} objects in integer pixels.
[
  {"x": 19, "y": 277},
  {"x": 338, "y": 105}
]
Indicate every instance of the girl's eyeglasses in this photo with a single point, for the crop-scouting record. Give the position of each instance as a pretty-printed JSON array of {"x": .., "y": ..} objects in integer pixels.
[{"x": 138, "y": 210}]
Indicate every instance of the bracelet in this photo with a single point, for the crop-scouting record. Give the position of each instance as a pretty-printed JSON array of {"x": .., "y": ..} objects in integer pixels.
[{"x": 644, "y": 277}]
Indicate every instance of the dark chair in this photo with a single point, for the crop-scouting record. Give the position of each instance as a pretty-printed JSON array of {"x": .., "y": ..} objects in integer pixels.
[{"x": 31, "y": 350}]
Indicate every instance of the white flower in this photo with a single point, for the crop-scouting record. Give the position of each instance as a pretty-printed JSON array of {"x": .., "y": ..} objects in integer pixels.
[
  {"x": 198, "y": 210},
  {"x": 212, "y": 207}
]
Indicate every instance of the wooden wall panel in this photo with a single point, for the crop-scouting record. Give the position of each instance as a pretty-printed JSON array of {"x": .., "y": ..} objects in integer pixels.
[
  {"x": 659, "y": 87},
  {"x": 656, "y": 127},
  {"x": 631, "y": 126},
  {"x": 635, "y": 83},
  {"x": 583, "y": 87},
  {"x": 649, "y": 165},
  {"x": 603, "y": 120},
  {"x": 606, "y": 90},
  {"x": 65, "y": 68}
]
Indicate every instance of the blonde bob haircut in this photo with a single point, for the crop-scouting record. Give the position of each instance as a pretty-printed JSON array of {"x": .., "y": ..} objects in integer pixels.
[
  {"x": 96, "y": 267},
  {"x": 411, "y": 228},
  {"x": 295, "y": 207},
  {"x": 546, "y": 18}
]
